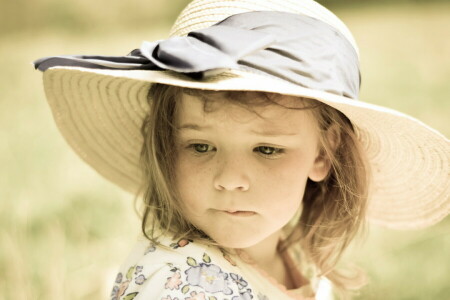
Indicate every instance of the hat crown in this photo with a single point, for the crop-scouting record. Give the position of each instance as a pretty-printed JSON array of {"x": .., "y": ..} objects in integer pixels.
[{"x": 201, "y": 14}]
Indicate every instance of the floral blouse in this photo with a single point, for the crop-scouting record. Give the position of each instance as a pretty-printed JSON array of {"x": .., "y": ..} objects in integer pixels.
[{"x": 186, "y": 270}]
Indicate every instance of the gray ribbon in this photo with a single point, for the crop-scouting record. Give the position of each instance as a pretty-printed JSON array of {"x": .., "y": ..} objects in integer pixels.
[{"x": 292, "y": 47}]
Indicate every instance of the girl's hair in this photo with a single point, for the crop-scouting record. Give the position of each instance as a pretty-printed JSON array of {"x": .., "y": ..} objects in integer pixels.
[{"x": 333, "y": 209}]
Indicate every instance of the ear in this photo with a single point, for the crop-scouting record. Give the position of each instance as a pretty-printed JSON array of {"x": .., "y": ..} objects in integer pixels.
[{"x": 322, "y": 163}]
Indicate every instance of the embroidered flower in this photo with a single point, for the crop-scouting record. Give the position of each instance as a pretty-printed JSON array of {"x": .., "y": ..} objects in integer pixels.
[
  {"x": 169, "y": 298},
  {"x": 241, "y": 283},
  {"x": 119, "y": 290},
  {"x": 119, "y": 278},
  {"x": 173, "y": 282},
  {"x": 140, "y": 279},
  {"x": 150, "y": 248},
  {"x": 245, "y": 295},
  {"x": 123, "y": 287},
  {"x": 180, "y": 243},
  {"x": 138, "y": 269},
  {"x": 195, "y": 296},
  {"x": 209, "y": 277},
  {"x": 114, "y": 292}
]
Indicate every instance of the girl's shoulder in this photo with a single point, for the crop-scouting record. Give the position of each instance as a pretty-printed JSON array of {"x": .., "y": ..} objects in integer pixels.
[
  {"x": 178, "y": 269},
  {"x": 188, "y": 270}
]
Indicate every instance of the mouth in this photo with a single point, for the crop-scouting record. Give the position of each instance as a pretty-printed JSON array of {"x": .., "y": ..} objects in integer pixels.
[{"x": 240, "y": 213}]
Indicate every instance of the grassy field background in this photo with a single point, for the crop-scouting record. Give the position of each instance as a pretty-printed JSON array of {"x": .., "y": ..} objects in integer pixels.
[{"x": 64, "y": 230}]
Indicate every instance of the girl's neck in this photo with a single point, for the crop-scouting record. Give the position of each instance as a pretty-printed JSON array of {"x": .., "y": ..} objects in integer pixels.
[{"x": 265, "y": 252}]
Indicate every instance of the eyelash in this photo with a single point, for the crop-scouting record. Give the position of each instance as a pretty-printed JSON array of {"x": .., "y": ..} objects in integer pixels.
[{"x": 275, "y": 151}]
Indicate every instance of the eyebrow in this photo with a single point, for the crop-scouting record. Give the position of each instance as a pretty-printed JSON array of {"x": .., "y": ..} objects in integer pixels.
[{"x": 267, "y": 133}]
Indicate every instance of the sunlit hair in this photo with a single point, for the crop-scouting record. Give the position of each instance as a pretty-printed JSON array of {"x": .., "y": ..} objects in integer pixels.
[{"x": 333, "y": 209}]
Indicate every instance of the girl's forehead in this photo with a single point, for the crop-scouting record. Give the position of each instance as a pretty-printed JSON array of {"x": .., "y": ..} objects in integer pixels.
[{"x": 287, "y": 113}]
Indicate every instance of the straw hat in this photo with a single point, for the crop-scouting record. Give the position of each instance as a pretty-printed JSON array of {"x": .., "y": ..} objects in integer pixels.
[{"x": 100, "y": 112}]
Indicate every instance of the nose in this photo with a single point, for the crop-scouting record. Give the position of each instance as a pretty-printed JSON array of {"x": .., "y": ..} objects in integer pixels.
[{"x": 231, "y": 174}]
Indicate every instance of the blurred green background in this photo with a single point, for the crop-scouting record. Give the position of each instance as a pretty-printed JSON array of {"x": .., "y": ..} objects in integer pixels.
[{"x": 64, "y": 230}]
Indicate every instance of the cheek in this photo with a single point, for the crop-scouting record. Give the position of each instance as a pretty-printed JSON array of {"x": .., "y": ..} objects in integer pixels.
[
  {"x": 190, "y": 182},
  {"x": 293, "y": 171},
  {"x": 286, "y": 181},
  {"x": 285, "y": 200}
]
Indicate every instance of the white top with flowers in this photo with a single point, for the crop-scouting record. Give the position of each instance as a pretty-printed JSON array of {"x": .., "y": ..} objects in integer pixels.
[{"x": 186, "y": 270}]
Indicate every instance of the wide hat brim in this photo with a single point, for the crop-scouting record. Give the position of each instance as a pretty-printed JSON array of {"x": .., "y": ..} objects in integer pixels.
[{"x": 100, "y": 113}]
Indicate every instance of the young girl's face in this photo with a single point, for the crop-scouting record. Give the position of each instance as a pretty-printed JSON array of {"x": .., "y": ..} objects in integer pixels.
[{"x": 241, "y": 176}]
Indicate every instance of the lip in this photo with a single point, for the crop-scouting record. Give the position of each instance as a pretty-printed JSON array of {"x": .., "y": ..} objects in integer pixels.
[{"x": 240, "y": 213}]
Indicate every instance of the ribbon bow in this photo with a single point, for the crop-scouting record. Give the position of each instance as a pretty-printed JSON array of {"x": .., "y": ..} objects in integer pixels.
[{"x": 295, "y": 48}]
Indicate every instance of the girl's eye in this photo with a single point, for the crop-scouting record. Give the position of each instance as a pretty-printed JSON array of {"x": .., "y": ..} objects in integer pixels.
[
  {"x": 268, "y": 151},
  {"x": 201, "y": 148}
]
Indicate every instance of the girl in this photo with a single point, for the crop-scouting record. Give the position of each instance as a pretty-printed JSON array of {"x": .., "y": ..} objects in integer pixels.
[{"x": 256, "y": 163}]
